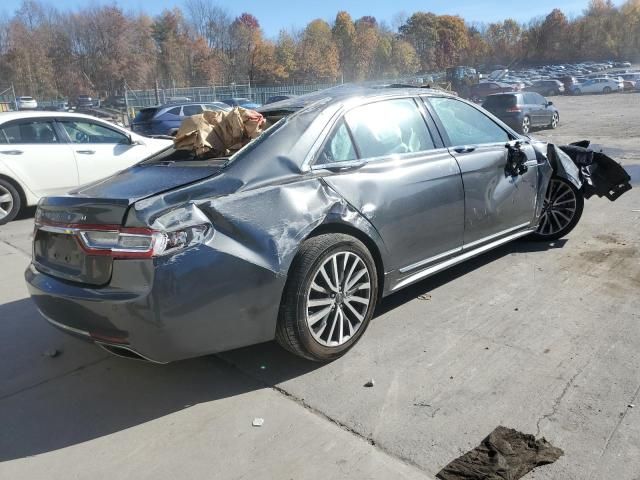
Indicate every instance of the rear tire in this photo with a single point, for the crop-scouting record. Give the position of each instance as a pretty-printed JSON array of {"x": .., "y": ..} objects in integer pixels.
[
  {"x": 606, "y": 90},
  {"x": 577, "y": 91},
  {"x": 561, "y": 211},
  {"x": 320, "y": 318},
  {"x": 10, "y": 201}
]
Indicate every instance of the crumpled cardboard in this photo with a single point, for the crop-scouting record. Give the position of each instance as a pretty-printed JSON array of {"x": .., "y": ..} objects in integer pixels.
[{"x": 218, "y": 134}]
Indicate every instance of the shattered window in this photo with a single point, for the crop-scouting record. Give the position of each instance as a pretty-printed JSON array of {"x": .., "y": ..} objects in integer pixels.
[{"x": 339, "y": 147}]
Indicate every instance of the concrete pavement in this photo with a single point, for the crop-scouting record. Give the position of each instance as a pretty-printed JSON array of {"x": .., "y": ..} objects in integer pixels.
[{"x": 538, "y": 337}]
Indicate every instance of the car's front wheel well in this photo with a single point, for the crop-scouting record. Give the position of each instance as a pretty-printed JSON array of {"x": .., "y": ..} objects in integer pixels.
[{"x": 360, "y": 235}]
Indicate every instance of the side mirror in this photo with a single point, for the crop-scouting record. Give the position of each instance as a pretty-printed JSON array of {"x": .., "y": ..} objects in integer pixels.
[{"x": 549, "y": 104}]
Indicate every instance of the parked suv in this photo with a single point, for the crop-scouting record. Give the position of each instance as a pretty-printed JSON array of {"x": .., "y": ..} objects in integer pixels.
[
  {"x": 166, "y": 119},
  {"x": 523, "y": 111},
  {"x": 26, "y": 103}
]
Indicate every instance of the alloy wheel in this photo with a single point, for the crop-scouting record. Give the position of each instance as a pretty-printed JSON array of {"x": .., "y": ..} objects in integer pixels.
[
  {"x": 558, "y": 209},
  {"x": 526, "y": 125},
  {"x": 554, "y": 120},
  {"x": 338, "y": 299},
  {"x": 6, "y": 202}
]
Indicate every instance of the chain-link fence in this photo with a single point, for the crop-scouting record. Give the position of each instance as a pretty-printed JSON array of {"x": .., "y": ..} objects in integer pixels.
[{"x": 257, "y": 94}]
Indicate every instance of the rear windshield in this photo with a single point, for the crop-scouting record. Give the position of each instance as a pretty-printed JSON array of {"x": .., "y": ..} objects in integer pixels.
[
  {"x": 500, "y": 101},
  {"x": 145, "y": 114}
]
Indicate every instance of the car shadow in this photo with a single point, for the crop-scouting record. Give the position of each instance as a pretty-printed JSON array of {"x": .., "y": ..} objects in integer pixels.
[
  {"x": 82, "y": 394},
  {"x": 27, "y": 212}
]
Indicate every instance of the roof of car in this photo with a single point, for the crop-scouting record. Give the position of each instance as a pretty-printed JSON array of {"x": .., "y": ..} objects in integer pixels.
[
  {"x": 344, "y": 92},
  {"x": 8, "y": 116}
]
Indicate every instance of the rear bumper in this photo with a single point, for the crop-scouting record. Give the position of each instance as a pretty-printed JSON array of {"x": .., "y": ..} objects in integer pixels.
[{"x": 202, "y": 301}]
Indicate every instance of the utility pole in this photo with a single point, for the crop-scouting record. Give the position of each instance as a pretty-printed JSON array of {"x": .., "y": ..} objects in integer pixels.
[
  {"x": 157, "y": 92},
  {"x": 126, "y": 103},
  {"x": 15, "y": 100}
]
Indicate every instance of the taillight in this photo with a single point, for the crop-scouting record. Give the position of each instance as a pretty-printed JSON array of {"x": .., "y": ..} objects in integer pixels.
[
  {"x": 515, "y": 109},
  {"x": 173, "y": 231}
]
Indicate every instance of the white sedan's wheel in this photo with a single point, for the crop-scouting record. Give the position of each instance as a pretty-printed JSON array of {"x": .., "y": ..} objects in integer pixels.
[{"x": 9, "y": 202}]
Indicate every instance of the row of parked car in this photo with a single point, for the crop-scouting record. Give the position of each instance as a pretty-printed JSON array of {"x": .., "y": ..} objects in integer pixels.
[{"x": 570, "y": 79}]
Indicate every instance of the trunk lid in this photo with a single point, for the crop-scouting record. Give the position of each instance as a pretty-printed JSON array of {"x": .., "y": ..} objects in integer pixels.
[{"x": 57, "y": 249}]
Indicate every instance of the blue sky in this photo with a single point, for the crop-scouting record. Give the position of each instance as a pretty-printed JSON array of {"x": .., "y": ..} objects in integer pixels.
[{"x": 276, "y": 14}]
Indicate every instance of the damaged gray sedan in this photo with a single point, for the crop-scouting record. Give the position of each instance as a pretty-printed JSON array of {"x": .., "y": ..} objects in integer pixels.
[{"x": 350, "y": 195}]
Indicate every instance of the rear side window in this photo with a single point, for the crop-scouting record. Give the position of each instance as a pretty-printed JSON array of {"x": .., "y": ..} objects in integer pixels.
[
  {"x": 88, "y": 132},
  {"x": 500, "y": 101},
  {"x": 389, "y": 127},
  {"x": 174, "y": 111},
  {"x": 339, "y": 147},
  {"x": 189, "y": 110},
  {"x": 29, "y": 132},
  {"x": 466, "y": 125}
]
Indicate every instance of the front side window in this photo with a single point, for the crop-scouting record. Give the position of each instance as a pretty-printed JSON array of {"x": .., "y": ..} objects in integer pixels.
[
  {"x": 29, "y": 132},
  {"x": 466, "y": 125},
  {"x": 339, "y": 147},
  {"x": 389, "y": 127},
  {"x": 89, "y": 132},
  {"x": 174, "y": 111}
]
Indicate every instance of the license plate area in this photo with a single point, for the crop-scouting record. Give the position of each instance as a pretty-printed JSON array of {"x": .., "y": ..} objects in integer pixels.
[{"x": 59, "y": 254}]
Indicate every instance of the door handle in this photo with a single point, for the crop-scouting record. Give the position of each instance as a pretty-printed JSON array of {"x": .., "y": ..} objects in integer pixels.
[
  {"x": 465, "y": 149},
  {"x": 11, "y": 152},
  {"x": 86, "y": 152}
]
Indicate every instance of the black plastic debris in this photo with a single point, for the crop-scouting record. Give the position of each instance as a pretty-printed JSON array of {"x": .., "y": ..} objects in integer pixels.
[{"x": 505, "y": 454}]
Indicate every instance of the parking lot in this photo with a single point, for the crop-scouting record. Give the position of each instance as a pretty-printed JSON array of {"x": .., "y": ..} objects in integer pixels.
[{"x": 540, "y": 337}]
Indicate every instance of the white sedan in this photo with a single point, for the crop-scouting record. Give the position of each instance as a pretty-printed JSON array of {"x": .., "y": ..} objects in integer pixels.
[
  {"x": 49, "y": 153},
  {"x": 598, "y": 85}
]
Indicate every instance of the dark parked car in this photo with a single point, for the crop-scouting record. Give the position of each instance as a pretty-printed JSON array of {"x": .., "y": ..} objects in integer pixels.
[
  {"x": 241, "y": 102},
  {"x": 166, "y": 119},
  {"x": 523, "y": 111},
  {"x": 480, "y": 91},
  {"x": 278, "y": 98},
  {"x": 547, "y": 87},
  {"x": 352, "y": 194},
  {"x": 568, "y": 81},
  {"x": 86, "y": 101}
]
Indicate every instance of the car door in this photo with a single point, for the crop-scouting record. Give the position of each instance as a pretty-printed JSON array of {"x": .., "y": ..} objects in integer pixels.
[
  {"x": 538, "y": 106},
  {"x": 497, "y": 201},
  {"x": 38, "y": 155},
  {"x": 99, "y": 149},
  {"x": 546, "y": 110},
  {"x": 403, "y": 180}
]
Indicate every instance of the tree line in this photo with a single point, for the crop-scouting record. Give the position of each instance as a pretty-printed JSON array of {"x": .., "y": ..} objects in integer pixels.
[{"x": 51, "y": 53}]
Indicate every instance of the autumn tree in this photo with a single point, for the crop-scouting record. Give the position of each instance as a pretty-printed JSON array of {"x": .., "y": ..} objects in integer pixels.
[
  {"x": 453, "y": 40},
  {"x": 317, "y": 55},
  {"x": 421, "y": 31},
  {"x": 344, "y": 37}
]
